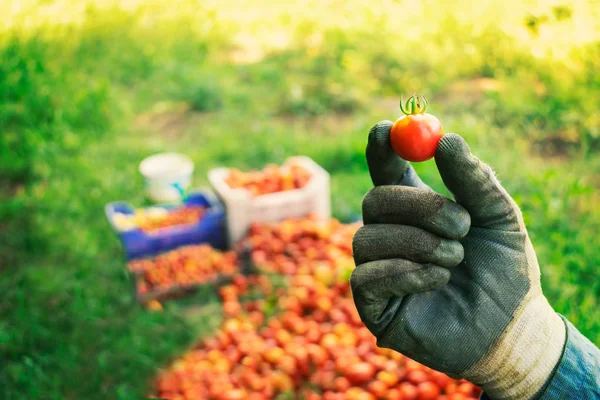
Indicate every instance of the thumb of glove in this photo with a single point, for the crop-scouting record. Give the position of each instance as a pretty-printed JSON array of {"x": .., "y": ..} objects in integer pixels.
[{"x": 475, "y": 186}]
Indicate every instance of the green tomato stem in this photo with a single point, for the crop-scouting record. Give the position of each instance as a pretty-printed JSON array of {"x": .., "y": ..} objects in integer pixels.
[{"x": 416, "y": 104}]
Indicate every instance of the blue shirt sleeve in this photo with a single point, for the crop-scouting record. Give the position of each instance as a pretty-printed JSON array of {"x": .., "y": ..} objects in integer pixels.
[{"x": 577, "y": 375}]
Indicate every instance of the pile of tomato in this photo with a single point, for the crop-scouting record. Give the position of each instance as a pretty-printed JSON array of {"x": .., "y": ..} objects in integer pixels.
[
  {"x": 184, "y": 266},
  {"x": 301, "y": 337},
  {"x": 271, "y": 179},
  {"x": 179, "y": 216}
]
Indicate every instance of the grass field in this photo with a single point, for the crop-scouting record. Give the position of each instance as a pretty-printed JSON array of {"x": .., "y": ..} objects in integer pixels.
[{"x": 87, "y": 89}]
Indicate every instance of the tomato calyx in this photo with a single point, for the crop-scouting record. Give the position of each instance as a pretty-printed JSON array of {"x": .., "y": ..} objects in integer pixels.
[{"x": 415, "y": 104}]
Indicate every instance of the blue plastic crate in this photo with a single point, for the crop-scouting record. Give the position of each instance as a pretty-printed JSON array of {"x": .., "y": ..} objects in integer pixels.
[{"x": 210, "y": 229}]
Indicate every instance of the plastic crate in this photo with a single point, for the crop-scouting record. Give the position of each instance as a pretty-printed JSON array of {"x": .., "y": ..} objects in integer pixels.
[
  {"x": 243, "y": 209},
  {"x": 209, "y": 229},
  {"x": 177, "y": 291}
]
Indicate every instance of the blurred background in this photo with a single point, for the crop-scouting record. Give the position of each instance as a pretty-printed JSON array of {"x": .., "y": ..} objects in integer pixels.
[{"x": 89, "y": 88}]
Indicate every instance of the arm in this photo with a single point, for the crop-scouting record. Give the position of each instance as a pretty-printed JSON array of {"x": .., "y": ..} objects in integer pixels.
[{"x": 577, "y": 375}]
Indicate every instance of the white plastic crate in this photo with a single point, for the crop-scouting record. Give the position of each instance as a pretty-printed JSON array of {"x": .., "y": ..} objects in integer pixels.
[{"x": 242, "y": 209}]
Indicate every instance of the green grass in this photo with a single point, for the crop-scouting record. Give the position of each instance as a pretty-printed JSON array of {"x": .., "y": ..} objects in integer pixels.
[{"x": 82, "y": 102}]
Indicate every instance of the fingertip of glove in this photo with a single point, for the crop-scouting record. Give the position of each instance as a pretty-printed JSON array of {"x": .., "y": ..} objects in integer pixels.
[
  {"x": 435, "y": 278},
  {"x": 371, "y": 201},
  {"x": 450, "y": 253},
  {"x": 460, "y": 221},
  {"x": 451, "y": 145},
  {"x": 379, "y": 135}
]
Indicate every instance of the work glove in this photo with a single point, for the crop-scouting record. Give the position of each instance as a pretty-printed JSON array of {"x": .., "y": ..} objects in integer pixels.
[{"x": 454, "y": 285}]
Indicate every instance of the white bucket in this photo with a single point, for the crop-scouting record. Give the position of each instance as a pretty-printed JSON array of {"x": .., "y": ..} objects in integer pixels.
[{"x": 167, "y": 176}]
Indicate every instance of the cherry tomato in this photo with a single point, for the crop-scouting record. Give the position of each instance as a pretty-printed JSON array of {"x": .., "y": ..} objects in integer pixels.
[
  {"x": 408, "y": 391},
  {"x": 428, "y": 391},
  {"x": 390, "y": 379},
  {"x": 234, "y": 394},
  {"x": 377, "y": 388},
  {"x": 457, "y": 396},
  {"x": 466, "y": 388},
  {"x": 360, "y": 373},
  {"x": 393, "y": 394},
  {"x": 415, "y": 135},
  {"x": 341, "y": 383},
  {"x": 417, "y": 376},
  {"x": 440, "y": 379}
]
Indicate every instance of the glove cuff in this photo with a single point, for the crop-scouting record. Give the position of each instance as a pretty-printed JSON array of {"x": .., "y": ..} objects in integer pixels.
[{"x": 523, "y": 359}]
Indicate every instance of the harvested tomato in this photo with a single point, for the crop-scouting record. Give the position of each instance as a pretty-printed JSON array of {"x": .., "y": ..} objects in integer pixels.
[
  {"x": 428, "y": 391},
  {"x": 466, "y": 388},
  {"x": 408, "y": 391},
  {"x": 417, "y": 376},
  {"x": 360, "y": 373},
  {"x": 377, "y": 388},
  {"x": 415, "y": 135},
  {"x": 234, "y": 394},
  {"x": 341, "y": 384},
  {"x": 320, "y": 355}
]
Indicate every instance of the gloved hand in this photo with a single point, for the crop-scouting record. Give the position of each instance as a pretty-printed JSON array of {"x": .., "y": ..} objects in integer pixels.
[{"x": 454, "y": 285}]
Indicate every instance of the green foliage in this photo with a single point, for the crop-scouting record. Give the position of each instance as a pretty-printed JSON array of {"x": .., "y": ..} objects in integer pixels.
[
  {"x": 562, "y": 12},
  {"x": 554, "y": 108},
  {"x": 45, "y": 108},
  {"x": 199, "y": 90}
]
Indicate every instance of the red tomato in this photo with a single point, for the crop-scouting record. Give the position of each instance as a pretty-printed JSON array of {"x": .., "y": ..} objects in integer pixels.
[
  {"x": 377, "y": 360},
  {"x": 451, "y": 387},
  {"x": 377, "y": 388},
  {"x": 360, "y": 373},
  {"x": 440, "y": 379},
  {"x": 416, "y": 377},
  {"x": 415, "y": 136},
  {"x": 457, "y": 396},
  {"x": 317, "y": 354},
  {"x": 255, "y": 396},
  {"x": 341, "y": 384},
  {"x": 393, "y": 394},
  {"x": 360, "y": 395},
  {"x": 465, "y": 388},
  {"x": 310, "y": 395},
  {"x": 408, "y": 391},
  {"x": 234, "y": 394},
  {"x": 428, "y": 391},
  {"x": 232, "y": 308},
  {"x": 389, "y": 378}
]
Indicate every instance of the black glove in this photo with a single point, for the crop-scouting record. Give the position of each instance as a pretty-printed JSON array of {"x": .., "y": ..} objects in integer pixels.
[{"x": 454, "y": 285}]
